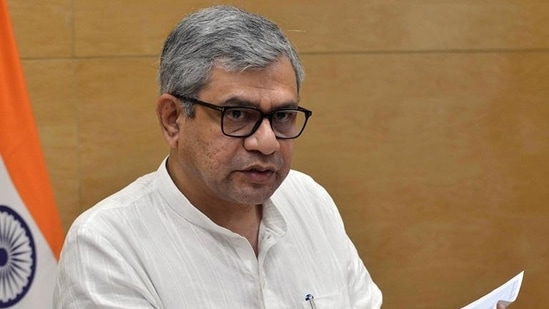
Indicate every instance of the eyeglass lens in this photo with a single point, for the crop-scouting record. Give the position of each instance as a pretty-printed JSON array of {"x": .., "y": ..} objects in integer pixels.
[{"x": 243, "y": 121}]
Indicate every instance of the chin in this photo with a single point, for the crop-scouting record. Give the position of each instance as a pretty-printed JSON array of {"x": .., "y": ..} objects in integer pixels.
[{"x": 254, "y": 198}]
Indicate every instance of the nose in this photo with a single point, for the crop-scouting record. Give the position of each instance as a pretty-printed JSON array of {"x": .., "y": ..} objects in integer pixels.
[{"x": 263, "y": 139}]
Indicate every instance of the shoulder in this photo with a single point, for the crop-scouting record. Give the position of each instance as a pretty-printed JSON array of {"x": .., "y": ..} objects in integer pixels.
[
  {"x": 120, "y": 207},
  {"x": 300, "y": 193},
  {"x": 299, "y": 180},
  {"x": 300, "y": 184}
]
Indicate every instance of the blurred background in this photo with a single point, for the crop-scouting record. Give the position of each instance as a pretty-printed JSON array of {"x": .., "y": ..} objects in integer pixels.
[{"x": 430, "y": 125}]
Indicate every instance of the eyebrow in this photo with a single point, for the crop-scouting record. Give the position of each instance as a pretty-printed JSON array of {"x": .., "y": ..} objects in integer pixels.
[{"x": 236, "y": 101}]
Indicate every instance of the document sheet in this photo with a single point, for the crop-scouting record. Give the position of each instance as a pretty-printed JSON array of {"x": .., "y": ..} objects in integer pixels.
[{"x": 507, "y": 293}]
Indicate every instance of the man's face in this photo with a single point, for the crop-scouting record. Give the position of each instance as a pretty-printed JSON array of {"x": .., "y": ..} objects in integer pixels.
[{"x": 216, "y": 169}]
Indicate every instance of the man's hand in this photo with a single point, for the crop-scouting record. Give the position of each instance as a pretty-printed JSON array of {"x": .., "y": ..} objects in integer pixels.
[{"x": 501, "y": 306}]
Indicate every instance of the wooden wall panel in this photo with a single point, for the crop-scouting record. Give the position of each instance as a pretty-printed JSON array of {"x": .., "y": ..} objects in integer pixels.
[
  {"x": 450, "y": 169},
  {"x": 43, "y": 29},
  {"x": 119, "y": 138},
  {"x": 114, "y": 28},
  {"x": 359, "y": 26},
  {"x": 51, "y": 90},
  {"x": 104, "y": 27},
  {"x": 429, "y": 126}
]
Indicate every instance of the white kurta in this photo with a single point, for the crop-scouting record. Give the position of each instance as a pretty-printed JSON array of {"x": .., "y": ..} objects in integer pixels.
[{"x": 148, "y": 247}]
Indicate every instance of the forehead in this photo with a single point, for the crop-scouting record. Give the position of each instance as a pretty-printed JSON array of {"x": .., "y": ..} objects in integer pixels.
[{"x": 268, "y": 87}]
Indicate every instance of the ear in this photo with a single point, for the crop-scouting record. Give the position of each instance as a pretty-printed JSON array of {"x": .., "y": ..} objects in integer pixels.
[{"x": 168, "y": 110}]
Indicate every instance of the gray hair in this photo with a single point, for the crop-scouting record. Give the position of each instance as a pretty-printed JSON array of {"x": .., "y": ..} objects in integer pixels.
[{"x": 223, "y": 36}]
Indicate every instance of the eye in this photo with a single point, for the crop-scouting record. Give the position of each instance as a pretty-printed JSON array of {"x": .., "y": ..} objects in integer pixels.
[
  {"x": 284, "y": 116},
  {"x": 239, "y": 114},
  {"x": 234, "y": 114}
]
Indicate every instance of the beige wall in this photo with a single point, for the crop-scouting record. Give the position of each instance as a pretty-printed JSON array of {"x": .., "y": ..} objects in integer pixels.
[{"x": 430, "y": 125}]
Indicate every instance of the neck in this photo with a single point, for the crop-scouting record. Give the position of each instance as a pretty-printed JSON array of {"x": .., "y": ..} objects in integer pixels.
[
  {"x": 239, "y": 218},
  {"x": 242, "y": 220}
]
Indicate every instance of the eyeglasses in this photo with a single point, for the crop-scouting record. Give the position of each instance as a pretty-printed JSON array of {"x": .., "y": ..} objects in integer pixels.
[{"x": 243, "y": 121}]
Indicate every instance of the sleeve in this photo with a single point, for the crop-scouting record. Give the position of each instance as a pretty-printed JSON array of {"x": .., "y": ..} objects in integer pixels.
[
  {"x": 363, "y": 292},
  {"x": 92, "y": 273}
]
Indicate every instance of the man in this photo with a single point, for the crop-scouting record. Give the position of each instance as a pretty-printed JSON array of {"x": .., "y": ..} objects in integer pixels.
[{"x": 223, "y": 222}]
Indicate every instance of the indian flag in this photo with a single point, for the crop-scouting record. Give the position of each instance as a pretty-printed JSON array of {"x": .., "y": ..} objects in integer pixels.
[{"x": 30, "y": 231}]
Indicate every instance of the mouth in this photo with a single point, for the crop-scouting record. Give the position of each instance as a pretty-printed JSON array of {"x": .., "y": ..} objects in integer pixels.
[{"x": 259, "y": 174}]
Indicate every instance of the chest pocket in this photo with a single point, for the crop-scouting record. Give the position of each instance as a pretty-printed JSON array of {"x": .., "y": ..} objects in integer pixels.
[{"x": 338, "y": 299}]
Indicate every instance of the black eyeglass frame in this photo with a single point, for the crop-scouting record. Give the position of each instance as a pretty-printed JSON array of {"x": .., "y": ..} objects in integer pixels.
[{"x": 269, "y": 115}]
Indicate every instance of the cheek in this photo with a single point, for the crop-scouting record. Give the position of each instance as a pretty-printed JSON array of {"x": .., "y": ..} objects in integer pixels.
[
  {"x": 216, "y": 155},
  {"x": 204, "y": 143},
  {"x": 287, "y": 151}
]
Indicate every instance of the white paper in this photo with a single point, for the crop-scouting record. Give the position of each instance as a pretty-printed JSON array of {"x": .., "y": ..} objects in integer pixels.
[{"x": 507, "y": 293}]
